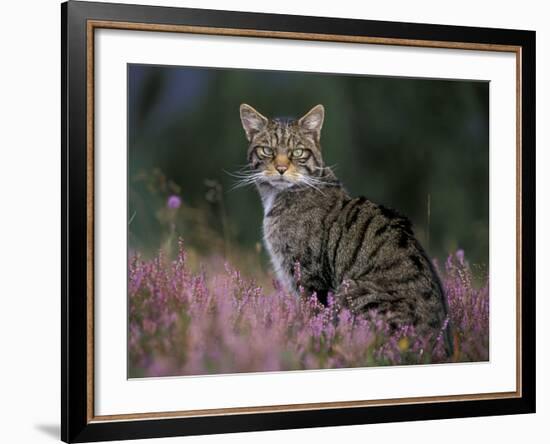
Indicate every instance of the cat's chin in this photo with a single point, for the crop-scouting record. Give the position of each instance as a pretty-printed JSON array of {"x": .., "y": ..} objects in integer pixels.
[{"x": 280, "y": 183}]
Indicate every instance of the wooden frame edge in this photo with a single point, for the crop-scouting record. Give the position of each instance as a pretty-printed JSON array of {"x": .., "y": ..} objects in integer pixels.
[
  {"x": 90, "y": 183},
  {"x": 238, "y": 32},
  {"x": 282, "y": 408}
]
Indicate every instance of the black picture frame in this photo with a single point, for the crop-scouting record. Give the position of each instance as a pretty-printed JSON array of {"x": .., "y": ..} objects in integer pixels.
[{"x": 76, "y": 423}]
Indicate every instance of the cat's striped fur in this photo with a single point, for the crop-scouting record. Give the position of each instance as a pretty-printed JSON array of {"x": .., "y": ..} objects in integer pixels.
[{"x": 365, "y": 253}]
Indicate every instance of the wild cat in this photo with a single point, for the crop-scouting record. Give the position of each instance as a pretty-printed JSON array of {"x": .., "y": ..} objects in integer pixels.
[{"x": 362, "y": 252}]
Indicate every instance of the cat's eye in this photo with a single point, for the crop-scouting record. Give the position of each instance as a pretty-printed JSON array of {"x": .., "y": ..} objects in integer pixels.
[
  {"x": 266, "y": 151},
  {"x": 297, "y": 153}
]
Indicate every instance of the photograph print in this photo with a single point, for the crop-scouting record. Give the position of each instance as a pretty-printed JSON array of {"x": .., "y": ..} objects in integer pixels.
[{"x": 286, "y": 221}]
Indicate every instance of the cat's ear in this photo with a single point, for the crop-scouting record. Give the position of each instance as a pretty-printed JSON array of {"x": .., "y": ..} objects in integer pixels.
[
  {"x": 252, "y": 121},
  {"x": 312, "y": 122}
]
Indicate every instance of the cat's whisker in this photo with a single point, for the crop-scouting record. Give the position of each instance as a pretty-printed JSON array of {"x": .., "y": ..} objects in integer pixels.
[
  {"x": 326, "y": 167},
  {"x": 246, "y": 179},
  {"x": 322, "y": 171},
  {"x": 243, "y": 166},
  {"x": 316, "y": 181},
  {"x": 306, "y": 180},
  {"x": 240, "y": 185},
  {"x": 240, "y": 174}
]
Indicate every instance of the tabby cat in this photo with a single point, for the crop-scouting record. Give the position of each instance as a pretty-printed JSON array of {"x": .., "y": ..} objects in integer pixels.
[{"x": 362, "y": 252}]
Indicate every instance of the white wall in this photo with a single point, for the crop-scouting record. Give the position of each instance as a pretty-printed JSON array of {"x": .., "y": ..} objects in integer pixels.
[{"x": 30, "y": 208}]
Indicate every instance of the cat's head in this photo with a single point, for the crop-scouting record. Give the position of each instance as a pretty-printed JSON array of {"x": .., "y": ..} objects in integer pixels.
[{"x": 284, "y": 152}]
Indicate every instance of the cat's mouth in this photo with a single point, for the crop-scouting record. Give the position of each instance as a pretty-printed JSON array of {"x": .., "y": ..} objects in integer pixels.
[{"x": 281, "y": 181}]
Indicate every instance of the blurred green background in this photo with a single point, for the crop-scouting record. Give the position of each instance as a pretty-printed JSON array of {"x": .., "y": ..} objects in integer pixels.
[{"x": 420, "y": 146}]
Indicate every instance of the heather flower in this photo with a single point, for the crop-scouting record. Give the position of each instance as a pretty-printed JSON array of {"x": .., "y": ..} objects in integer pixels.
[{"x": 173, "y": 202}]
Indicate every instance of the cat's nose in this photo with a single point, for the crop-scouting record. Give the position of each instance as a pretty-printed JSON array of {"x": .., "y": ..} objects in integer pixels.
[{"x": 281, "y": 169}]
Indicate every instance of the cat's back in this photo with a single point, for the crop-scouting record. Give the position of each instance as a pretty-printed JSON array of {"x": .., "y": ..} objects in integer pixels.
[{"x": 376, "y": 242}]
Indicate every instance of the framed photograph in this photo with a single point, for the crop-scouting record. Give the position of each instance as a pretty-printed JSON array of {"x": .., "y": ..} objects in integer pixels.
[{"x": 276, "y": 221}]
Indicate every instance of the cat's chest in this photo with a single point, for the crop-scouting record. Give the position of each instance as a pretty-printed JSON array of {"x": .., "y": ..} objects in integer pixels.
[
  {"x": 289, "y": 227},
  {"x": 279, "y": 247},
  {"x": 281, "y": 235}
]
